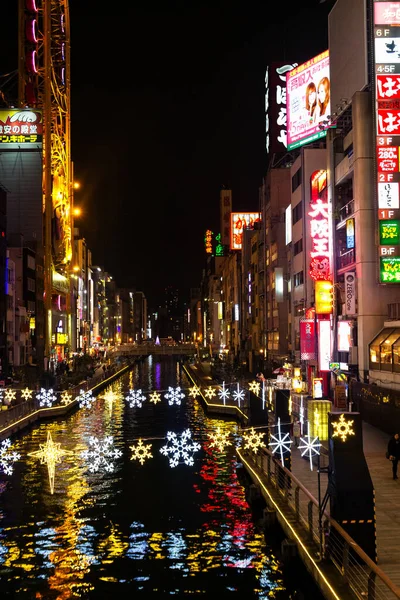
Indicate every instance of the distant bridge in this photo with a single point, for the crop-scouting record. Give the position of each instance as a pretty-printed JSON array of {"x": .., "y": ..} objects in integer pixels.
[{"x": 147, "y": 349}]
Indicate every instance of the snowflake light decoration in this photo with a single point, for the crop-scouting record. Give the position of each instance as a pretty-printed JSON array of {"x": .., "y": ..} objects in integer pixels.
[
  {"x": 174, "y": 396},
  {"x": 253, "y": 440},
  {"x": 135, "y": 398},
  {"x": 26, "y": 394},
  {"x": 85, "y": 399},
  {"x": 219, "y": 439},
  {"x": 110, "y": 395},
  {"x": 10, "y": 395},
  {"x": 223, "y": 393},
  {"x": 50, "y": 454},
  {"x": 210, "y": 392},
  {"x": 254, "y": 386},
  {"x": 141, "y": 451},
  {"x": 194, "y": 391},
  {"x": 281, "y": 442},
  {"x": 180, "y": 449},
  {"x": 7, "y": 457},
  {"x": 66, "y": 397},
  {"x": 343, "y": 428},
  {"x": 238, "y": 395},
  {"x": 301, "y": 414},
  {"x": 101, "y": 454},
  {"x": 46, "y": 397},
  {"x": 155, "y": 397},
  {"x": 310, "y": 447}
]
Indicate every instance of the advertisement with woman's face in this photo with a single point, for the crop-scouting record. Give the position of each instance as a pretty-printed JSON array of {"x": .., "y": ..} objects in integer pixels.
[{"x": 308, "y": 101}]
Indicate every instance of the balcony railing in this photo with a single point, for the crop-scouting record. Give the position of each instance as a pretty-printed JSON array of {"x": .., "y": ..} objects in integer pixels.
[
  {"x": 347, "y": 258},
  {"x": 346, "y": 211}
]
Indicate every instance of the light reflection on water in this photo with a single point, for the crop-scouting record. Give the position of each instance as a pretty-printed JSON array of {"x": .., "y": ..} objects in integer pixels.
[{"x": 148, "y": 530}]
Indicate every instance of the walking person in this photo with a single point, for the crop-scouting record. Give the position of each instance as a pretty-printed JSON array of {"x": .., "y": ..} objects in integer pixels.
[
  {"x": 393, "y": 452},
  {"x": 296, "y": 432}
]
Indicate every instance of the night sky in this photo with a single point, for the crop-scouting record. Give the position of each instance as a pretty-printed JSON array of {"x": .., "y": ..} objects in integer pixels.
[{"x": 168, "y": 107}]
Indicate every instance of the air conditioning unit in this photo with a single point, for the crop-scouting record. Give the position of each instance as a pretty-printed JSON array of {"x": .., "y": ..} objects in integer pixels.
[{"x": 353, "y": 355}]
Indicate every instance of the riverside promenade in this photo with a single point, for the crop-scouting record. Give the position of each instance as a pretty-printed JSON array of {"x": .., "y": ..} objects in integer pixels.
[{"x": 297, "y": 505}]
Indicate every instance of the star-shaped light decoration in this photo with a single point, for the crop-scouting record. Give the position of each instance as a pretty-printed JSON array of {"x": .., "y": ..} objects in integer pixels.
[
  {"x": 194, "y": 391},
  {"x": 66, "y": 398},
  {"x": 85, "y": 399},
  {"x": 7, "y": 457},
  {"x": 224, "y": 393},
  {"x": 50, "y": 454},
  {"x": 101, "y": 454},
  {"x": 174, "y": 396},
  {"x": 110, "y": 395},
  {"x": 343, "y": 428},
  {"x": 26, "y": 394},
  {"x": 219, "y": 439},
  {"x": 254, "y": 386},
  {"x": 141, "y": 451},
  {"x": 210, "y": 392},
  {"x": 155, "y": 397},
  {"x": 135, "y": 398},
  {"x": 10, "y": 395},
  {"x": 238, "y": 395},
  {"x": 310, "y": 447},
  {"x": 180, "y": 449},
  {"x": 253, "y": 440},
  {"x": 46, "y": 397},
  {"x": 280, "y": 443}
]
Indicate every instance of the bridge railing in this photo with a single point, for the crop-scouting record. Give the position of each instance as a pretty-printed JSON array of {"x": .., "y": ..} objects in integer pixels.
[{"x": 332, "y": 543}]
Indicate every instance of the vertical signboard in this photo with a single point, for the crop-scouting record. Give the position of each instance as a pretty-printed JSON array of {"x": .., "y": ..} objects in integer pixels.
[
  {"x": 238, "y": 222},
  {"x": 387, "y": 107},
  {"x": 275, "y": 107},
  {"x": 225, "y": 200},
  {"x": 307, "y": 339}
]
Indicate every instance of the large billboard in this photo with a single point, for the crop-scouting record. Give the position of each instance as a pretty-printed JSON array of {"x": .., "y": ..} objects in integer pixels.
[
  {"x": 238, "y": 222},
  {"x": 21, "y": 128},
  {"x": 308, "y": 101},
  {"x": 275, "y": 107},
  {"x": 387, "y": 113}
]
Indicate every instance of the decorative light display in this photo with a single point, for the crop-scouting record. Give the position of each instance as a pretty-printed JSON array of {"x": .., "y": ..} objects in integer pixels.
[
  {"x": 26, "y": 394},
  {"x": 301, "y": 414},
  {"x": 174, "y": 396},
  {"x": 343, "y": 428},
  {"x": 319, "y": 224},
  {"x": 141, "y": 451},
  {"x": 223, "y": 393},
  {"x": 210, "y": 392},
  {"x": 85, "y": 399},
  {"x": 155, "y": 397},
  {"x": 219, "y": 439},
  {"x": 253, "y": 440},
  {"x": 310, "y": 446},
  {"x": 280, "y": 442},
  {"x": 50, "y": 454},
  {"x": 110, "y": 395},
  {"x": 46, "y": 397},
  {"x": 254, "y": 386},
  {"x": 101, "y": 454},
  {"x": 194, "y": 391},
  {"x": 7, "y": 457},
  {"x": 66, "y": 397},
  {"x": 10, "y": 395},
  {"x": 135, "y": 398},
  {"x": 238, "y": 395},
  {"x": 263, "y": 394},
  {"x": 180, "y": 449}
]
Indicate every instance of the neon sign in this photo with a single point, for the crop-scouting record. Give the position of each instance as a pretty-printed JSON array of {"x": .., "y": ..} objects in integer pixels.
[
  {"x": 319, "y": 229},
  {"x": 208, "y": 241}
]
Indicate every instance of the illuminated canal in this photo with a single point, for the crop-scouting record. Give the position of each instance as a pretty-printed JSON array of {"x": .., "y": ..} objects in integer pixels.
[{"x": 114, "y": 527}]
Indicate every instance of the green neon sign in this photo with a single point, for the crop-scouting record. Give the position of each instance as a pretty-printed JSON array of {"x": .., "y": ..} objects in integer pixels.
[
  {"x": 390, "y": 269},
  {"x": 389, "y": 233}
]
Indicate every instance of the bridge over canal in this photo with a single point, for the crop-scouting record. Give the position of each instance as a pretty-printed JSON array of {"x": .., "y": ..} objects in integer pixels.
[{"x": 146, "y": 349}]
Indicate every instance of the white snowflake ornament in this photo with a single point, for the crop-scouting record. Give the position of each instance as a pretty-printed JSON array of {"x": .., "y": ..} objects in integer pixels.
[
  {"x": 101, "y": 454},
  {"x": 310, "y": 447},
  {"x": 238, "y": 395},
  {"x": 224, "y": 393},
  {"x": 180, "y": 449},
  {"x": 135, "y": 398},
  {"x": 85, "y": 399},
  {"x": 7, "y": 457},
  {"x": 174, "y": 396},
  {"x": 280, "y": 442},
  {"x": 46, "y": 397}
]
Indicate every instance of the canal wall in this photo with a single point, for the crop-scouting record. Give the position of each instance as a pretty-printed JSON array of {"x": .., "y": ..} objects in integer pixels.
[{"x": 26, "y": 414}]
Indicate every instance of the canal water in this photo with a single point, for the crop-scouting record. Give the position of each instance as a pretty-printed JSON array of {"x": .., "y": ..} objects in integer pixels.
[{"x": 116, "y": 528}]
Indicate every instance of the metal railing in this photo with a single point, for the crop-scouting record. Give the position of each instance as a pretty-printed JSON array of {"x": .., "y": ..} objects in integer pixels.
[{"x": 332, "y": 543}]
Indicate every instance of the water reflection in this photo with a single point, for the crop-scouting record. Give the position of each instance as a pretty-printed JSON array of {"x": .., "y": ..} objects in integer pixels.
[{"x": 142, "y": 528}]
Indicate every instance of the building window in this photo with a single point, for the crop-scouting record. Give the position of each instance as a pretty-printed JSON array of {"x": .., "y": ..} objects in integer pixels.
[
  {"x": 31, "y": 306},
  {"x": 296, "y": 180},
  {"x": 31, "y": 284},
  {"x": 297, "y": 213},
  {"x": 31, "y": 263},
  {"x": 298, "y": 247},
  {"x": 298, "y": 279}
]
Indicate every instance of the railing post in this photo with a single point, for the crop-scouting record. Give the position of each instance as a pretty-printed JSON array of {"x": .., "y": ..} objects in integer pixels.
[
  {"x": 297, "y": 502},
  {"x": 345, "y": 561},
  {"x": 310, "y": 517},
  {"x": 371, "y": 585}
]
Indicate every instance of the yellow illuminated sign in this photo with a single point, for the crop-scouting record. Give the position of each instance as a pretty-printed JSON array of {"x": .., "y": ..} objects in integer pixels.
[
  {"x": 318, "y": 411},
  {"x": 342, "y": 428},
  {"x": 323, "y": 297},
  {"x": 62, "y": 338}
]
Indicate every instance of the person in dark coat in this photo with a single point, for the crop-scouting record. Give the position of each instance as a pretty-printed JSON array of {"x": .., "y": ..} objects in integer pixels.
[{"x": 394, "y": 452}]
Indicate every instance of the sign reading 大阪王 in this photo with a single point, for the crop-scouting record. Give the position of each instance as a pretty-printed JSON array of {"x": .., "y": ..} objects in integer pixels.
[{"x": 387, "y": 110}]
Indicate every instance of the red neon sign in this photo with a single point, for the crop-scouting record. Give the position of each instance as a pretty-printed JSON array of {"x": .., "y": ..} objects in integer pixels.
[{"x": 319, "y": 229}]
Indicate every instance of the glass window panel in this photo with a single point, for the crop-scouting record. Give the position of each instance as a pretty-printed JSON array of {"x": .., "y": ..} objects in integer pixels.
[
  {"x": 374, "y": 348},
  {"x": 386, "y": 347}
]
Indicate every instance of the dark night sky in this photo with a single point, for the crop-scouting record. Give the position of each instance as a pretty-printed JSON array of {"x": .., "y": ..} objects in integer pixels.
[{"x": 167, "y": 107}]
